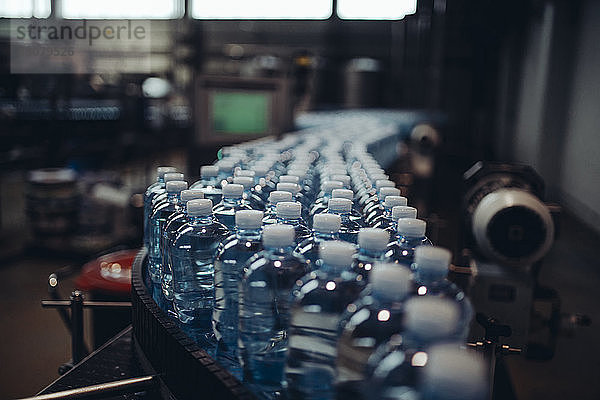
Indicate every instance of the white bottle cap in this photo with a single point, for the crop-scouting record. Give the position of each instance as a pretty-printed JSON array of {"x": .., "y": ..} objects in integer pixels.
[
  {"x": 176, "y": 186},
  {"x": 388, "y": 191},
  {"x": 226, "y": 165},
  {"x": 289, "y": 179},
  {"x": 390, "y": 281},
  {"x": 245, "y": 181},
  {"x": 431, "y": 317},
  {"x": 233, "y": 191},
  {"x": 342, "y": 194},
  {"x": 161, "y": 171},
  {"x": 191, "y": 194},
  {"x": 403, "y": 212},
  {"x": 278, "y": 235},
  {"x": 345, "y": 179},
  {"x": 293, "y": 188},
  {"x": 340, "y": 205},
  {"x": 411, "y": 227},
  {"x": 337, "y": 253},
  {"x": 452, "y": 373},
  {"x": 327, "y": 223},
  {"x": 381, "y": 183},
  {"x": 376, "y": 175},
  {"x": 260, "y": 170},
  {"x": 393, "y": 201},
  {"x": 288, "y": 209},
  {"x": 245, "y": 172},
  {"x": 209, "y": 171},
  {"x": 373, "y": 239},
  {"x": 199, "y": 207},
  {"x": 248, "y": 219},
  {"x": 432, "y": 260},
  {"x": 329, "y": 186},
  {"x": 277, "y": 196},
  {"x": 298, "y": 171},
  {"x": 173, "y": 176}
]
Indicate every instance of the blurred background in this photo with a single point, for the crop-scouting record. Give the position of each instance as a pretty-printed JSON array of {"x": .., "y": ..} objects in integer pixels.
[{"x": 509, "y": 81}]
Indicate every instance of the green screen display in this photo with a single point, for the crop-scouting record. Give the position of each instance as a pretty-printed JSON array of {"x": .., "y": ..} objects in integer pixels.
[{"x": 240, "y": 112}]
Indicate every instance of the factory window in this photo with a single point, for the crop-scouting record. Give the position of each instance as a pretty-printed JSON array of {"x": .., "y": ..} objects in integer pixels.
[
  {"x": 375, "y": 9},
  {"x": 24, "y": 8},
  {"x": 129, "y": 9},
  {"x": 261, "y": 9}
]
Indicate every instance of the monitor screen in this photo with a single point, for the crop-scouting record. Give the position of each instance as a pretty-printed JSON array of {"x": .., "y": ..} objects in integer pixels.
[{"x": 239, "y": 112}]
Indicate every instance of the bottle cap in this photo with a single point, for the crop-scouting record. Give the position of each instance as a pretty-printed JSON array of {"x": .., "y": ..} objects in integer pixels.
[
  {"x": 337, "y": 252},
  {"x": 161, "y": 171},
  {"x": 345, "y": 179},
  {"x": 327, "y": 223},
  {"x": 278, "y": 235},
  {"x": 209, "y": 171},
  {"x": 293, "y": 188},
  {"x": 245, "y": 172},
  {"x": 393, "y": 201},
  {"x": 288, "y": 209},
  {"x": 381, "y": 183},
  {"x": 432, "y": 260},
  {"x": 277, "y": 196},
  {"x": 226, "y": 165},
  {"x": 403, "y": 212},
  {"x": 248, "y": 219},
  {"x": 329, "y": 186},
  {"x": 199, "y": 207},
  {"x": 298, "y": 171},
  {"x": 377, "y": 175},
  {"x": 411, "y": 227},
  {"x": 191, "y": 194},
  {"x": 289, "y": 179},
  {"x": 340, "y": 205},
  {"x": 342, "y": 194},
  {"x": 431, "y": 318},
  {"x": 388, "y": 191},
  {"x": 233, "y": 191},
  {"x": 373, "y": 239},
  {"x": 173, "y": 176},
  {"x": 245, "y": 181},
  {"x": 454, "y": 374},
  {"x": 260, "y": 170},
  {"x": 176, "y": 186},
  {"x": 391, "y": 281}
]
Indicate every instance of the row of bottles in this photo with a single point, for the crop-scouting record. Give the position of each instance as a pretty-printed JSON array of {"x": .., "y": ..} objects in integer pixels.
[{"x": 300, "y": 267}]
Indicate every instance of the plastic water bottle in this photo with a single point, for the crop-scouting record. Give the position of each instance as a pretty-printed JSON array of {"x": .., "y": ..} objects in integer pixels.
[
  {"x": 297, "y": 195},
  {"x": 371, "y": 320},
  {"x": 193, "y": 253},
  {"x": 264, "y": 308},
  {"x": 276, "y": 196},
  {"x": 290, "y": 213},
  {"x": 326, "y": 227},
  {"x": 372, "y": 245},
  {"x": 321, "y": 297},
  {"x": 172, "y": 224},
  {"x": 233, "y": 254},
  {"x": 232, "y": 202},
  {"x": 151, "y": 191},
  {"x": 158, "y": 217},
  {"x": 410, "y": 233},
  {"x": 385, "y": 220},
  {"x": 249, "y": 196},
  {"x": 399, "y": 212},
  {"x": 158, "y": 195},
  {"x": 378, "y": 209},
  {"x": 320, "y": 205},
  {"x": 430, "y": 273},
  {"x": 209, "y": 183},
  {"x": 348, "y": 229},
  {"x": 396, "y": 364},
  {"x": 355, "y": 214}
]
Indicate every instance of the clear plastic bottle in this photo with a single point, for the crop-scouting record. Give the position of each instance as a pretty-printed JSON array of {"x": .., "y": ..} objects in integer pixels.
[
  {"x": 372, "y": 245},
  {"x": 326, "y": 227},
  {"x": 209, "y": 183},
  {"x": 158, "y": 195},
  {"x": 231, "y": 257},
  {"x": 378, "y": 209},
  {"x": 320, "y": 205},
  {"x": 158, "y": 218},
  {"x": 194, "y": 250},
  {"x": 370, "y": 320},
  {"x": 152, "y": 190},
  {"x": 355, "y": 214},
  {"x": 410, "y": 234},
  {"x": 430, "y": 268},
  {"x": 290, "y": 213},
  {"x": 232, "y": 201},
  {"x": 275, "y": 197},
  {"x": 264, "y": 308},
  {"x": 386, "y": 220},
  {"x": 397, "y": 213},
  {"x": 320, "y": 299},
  {"x": 249, "y": 196},
  {"x": 348, "y": 229}
]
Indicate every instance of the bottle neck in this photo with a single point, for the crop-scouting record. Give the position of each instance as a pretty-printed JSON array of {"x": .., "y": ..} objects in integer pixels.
[
  {"x": 209, "y": 182},
  {"x": 200, "y": 219},
  {"x": 248, "y": 234},
  {"x": 333, "y": 270},
  {"x": 322, "y": 236},
  {"x": 370, "y": 253},
  {"x": 289, "y": 221},
  {"x": 231, "y": 201},
  {"x": 403, "y": 238},
  {"x": 429, "y": 277},
  {"x": 277, "y": 250},
  {"x": 173, "y": 198}
]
